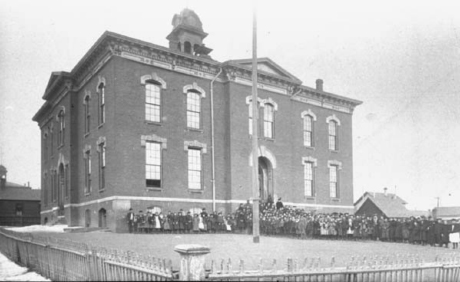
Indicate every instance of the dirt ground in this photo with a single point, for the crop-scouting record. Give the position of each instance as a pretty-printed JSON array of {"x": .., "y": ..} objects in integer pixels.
[{"x": 241, "y": 247}]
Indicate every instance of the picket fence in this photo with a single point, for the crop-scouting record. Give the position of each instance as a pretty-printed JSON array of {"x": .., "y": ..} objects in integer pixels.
[
  {"x": 64, "y": 260},
  {"x": 403, "y": 268}
]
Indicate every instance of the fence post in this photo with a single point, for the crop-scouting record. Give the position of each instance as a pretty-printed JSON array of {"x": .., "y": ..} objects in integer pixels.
[{"x": 192, "y": 261}]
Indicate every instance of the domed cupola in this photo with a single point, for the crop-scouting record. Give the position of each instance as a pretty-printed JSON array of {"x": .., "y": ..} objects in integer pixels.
[{"x": 187, "y": 34}]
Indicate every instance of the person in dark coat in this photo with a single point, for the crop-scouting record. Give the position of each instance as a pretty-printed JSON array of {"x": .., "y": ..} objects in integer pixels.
[
  {"x": 279, "y": 204},
  {"x": 399, "y": 230},
  {"x": 392, "y": 234},
  {"x": 445, "y": 234},
  {"x": 430, "y": 237},
  {"x": 438, "y": 228},
  {"x": 130, "y": 219},
  {"x": 188, "y": 222},
  {"x": 424, "y": 225},
  {"x": 376, "y": 228}
]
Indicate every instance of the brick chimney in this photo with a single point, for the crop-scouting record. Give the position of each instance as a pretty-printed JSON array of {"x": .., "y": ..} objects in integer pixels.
[{"x": 319, "y": 84}]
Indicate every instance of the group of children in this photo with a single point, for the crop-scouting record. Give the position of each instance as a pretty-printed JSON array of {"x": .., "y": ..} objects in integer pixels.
[{"x": 277, "y": 220}]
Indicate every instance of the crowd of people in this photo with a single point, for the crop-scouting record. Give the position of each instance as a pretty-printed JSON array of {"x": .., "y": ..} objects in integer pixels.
[{"x": 279, "y": 220}]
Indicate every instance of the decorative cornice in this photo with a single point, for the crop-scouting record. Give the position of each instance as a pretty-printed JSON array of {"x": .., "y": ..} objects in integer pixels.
[
  {"x": 334, "y": 118},
  {"x": 194, "y": 86},
  {"x": 196, "y": 144},
  {"x": 154, "y": 138},
  {"x": 308, "y": 113},
  {"x": 310, "y": 159}
]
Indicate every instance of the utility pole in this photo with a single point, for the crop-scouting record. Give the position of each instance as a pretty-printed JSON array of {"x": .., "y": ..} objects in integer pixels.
[{"x": 255, "y": 136}]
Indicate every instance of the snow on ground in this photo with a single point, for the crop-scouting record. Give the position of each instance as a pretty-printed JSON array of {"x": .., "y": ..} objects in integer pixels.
[
  {"x": 9, "y": 271},
  {"x": 39, "y": 228}
]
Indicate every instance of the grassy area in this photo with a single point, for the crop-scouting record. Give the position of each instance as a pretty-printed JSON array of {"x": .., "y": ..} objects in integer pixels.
[{"x": 238, "y": 246}]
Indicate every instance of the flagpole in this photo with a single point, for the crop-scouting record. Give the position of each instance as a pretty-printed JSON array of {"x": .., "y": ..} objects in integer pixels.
[{"x": 255, "y": 137}]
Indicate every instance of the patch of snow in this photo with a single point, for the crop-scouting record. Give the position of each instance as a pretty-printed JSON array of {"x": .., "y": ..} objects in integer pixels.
[
  {"x": 9, "y": 271},
  {"x": 39, "y": 228}
]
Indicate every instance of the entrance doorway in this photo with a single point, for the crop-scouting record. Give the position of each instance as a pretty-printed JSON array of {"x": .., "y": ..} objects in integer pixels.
[
  {"x": 265, "y": 178},
  {"x": 102, "y": 218},
  {"x": 87, "y": 218}
]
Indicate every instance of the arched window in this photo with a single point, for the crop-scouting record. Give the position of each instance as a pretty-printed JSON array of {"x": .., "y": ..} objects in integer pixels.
[
  {"x": 152, "y": 101},
  {"x": 193, "y": 109},
  {"x": 101, "y": 156},
  {"x": 87, "y": 114},
  {"x": 188, "y": 47},
  {"x": 101, "y": 101},
  {"x": 333, "y": 135},
  {"x": 87, "y": 159},
  {"x": 269, "y": 120},
  {"x": 61, "y": 117}
]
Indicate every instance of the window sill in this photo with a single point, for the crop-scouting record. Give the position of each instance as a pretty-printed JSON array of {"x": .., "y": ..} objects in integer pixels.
[
  {"x": 194, "y": 130},
  {"x": 60, "y": 146},
  {"x": 87, "y": 194},
  {"x": 86, "y": 134},
  {"x": 334, "y": 151},
  {"x": 100, "y": 125},
  {"x": 335, "y": 200},
  {"x": 268, "y": 139},
  {"x": 310, "y": 198},
  {"x": 153, "y": 123},
  {"x": 309, "y": 147},
  {"x": 153, "y": 189},
  {"x": 196, "y": 191},
  {"x": 101, "y": 190}
]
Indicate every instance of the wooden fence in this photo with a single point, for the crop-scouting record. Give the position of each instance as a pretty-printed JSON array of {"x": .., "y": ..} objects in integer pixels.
[
  {"x": 404, "y": 268},
  {"x": 64, "y": 260}
]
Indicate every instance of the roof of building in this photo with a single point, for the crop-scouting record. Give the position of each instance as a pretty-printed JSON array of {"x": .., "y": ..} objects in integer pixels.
[
  {"x": 390, "y": 204},
  {"x": 14, "y": 191},
  {"x": 447, "y": 211}
]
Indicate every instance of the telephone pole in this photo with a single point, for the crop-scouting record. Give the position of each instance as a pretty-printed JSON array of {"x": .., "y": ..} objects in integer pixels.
[{"x": 255, "y": 136}]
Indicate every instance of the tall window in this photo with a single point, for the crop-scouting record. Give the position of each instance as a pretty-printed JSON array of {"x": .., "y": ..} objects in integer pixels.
[
  {"x": 153, "y": 164},
  {"x": 19, "y": 209},
  {"x": 88, "y": 172},
  {"x": 87, "y": 114},
  {"x": 194, "y": 168},
  {"x": 193, "y": 109},
  {"x": 308, "y": 131},
  {"x": 152, "y": 102},
  {"x": 101, "y": 154},
  {"x": 45, "y": 190},
  {"x": 61, "y": 127},
  {"x": 333, "y": 135},
  {"x": 51, "y": 141},
  {"x": 45, "y": 150},
  {"x": 101, "y": 101},
  {"x": 54, "y": 185},
  {"x": 67, "y": 192},
  {"x": 269, "y": 117},
  {"x": 333, "y": 181},
  {"x": 308, "y": 179}
]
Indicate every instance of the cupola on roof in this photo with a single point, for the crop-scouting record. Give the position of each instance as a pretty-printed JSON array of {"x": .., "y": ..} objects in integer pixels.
[
  {"x": 187, "y": 17},
  {"x": 188, "y": 34}
]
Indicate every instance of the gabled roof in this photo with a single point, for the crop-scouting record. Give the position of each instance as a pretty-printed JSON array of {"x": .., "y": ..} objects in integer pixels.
[
  {"x": 390, "y": 204},
  {"x": 13, "y": 192},
  {"x": 447, "y": 212},
  {"x": 266, "y": 65}
]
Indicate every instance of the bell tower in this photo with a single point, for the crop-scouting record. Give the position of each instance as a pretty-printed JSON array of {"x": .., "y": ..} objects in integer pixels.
[{"x": 187, "y": 34}]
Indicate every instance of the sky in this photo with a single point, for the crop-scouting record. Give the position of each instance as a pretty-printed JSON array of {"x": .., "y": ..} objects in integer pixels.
[{"x": 401, "y": 58}]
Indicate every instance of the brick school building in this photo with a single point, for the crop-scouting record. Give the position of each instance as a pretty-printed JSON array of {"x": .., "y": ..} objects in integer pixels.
[{"x": 142, "y": 126}]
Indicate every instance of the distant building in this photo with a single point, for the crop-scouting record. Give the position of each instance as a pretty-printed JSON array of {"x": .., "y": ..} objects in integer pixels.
[
  {"x": 446, "y": 213},
  {"x": 19, "y": 204},
  {"x": 385, "y": 204},
  {"x": 140, "y": 125}
]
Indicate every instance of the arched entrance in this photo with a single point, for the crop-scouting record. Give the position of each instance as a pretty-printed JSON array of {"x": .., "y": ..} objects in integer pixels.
[
  {"x": 87, "y": 218},
  {"x": 265, "y": 178},
  {"x": 102, "y": 218}
]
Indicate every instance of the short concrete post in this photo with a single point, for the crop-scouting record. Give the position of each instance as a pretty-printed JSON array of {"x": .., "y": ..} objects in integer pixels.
[{"x": 192, "y": 261}]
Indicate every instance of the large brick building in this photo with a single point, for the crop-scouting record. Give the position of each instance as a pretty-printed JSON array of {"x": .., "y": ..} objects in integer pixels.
[{"x": 139, "y": 125}]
